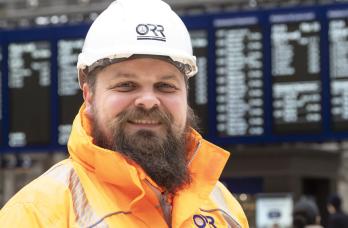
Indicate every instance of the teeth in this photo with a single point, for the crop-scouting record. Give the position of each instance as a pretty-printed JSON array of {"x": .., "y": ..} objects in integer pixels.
[{"x": 145, "y": 122}]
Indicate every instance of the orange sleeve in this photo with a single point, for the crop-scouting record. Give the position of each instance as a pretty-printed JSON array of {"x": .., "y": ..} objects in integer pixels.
[{"x": 234, "y": 205}]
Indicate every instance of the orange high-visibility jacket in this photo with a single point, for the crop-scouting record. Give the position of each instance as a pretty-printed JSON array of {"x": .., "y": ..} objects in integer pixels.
[{"x": 96, "y": 187}]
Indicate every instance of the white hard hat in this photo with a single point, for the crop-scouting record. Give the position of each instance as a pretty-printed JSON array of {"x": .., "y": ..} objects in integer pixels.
[{"x": 137, "y": 27}]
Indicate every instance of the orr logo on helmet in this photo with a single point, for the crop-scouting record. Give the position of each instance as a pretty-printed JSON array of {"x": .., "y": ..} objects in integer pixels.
[{"x": 150, "y": 32}]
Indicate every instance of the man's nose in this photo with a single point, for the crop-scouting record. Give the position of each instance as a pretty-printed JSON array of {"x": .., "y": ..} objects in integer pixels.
[{"x": 147, "y": 100}]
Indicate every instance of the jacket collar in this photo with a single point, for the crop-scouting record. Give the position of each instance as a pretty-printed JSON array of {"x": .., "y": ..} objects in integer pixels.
[{"x": 206, "y": 165}]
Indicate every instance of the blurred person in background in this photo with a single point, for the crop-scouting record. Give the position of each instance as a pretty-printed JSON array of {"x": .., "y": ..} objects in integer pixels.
[
  {"x": 306, "y": 214},
  {"x": 337, "y": 218},
  {"x": 135, "y": 159}
]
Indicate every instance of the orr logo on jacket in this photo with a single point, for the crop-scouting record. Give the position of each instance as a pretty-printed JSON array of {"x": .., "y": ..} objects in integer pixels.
[
  {"x": 204, "y": 221},
  {"x": 150, "y": 32}
]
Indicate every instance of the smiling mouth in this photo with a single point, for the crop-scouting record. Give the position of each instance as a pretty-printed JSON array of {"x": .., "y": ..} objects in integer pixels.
[{"x": 144, "y": 122}]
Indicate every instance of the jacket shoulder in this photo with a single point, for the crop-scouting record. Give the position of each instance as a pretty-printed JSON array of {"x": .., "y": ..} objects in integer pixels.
[
  {"x": 43, "y": 201},
  {"x": 228, "y": 204}
]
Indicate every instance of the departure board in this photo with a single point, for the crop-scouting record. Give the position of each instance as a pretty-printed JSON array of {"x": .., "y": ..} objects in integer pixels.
[
  {"x": 264, "y": 76},
  {"x": 239, "y": 77},
  {"x": 198, "y": 85},
  {"x": 69, "y": 92},
  {"x": 296, "y": 82},
  {"x": 29, "y": 82},
  {"x": 338, "y": 41}
]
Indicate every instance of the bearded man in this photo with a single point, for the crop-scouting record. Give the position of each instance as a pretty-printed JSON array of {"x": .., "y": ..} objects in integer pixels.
[{"x": 135, "y": 158}]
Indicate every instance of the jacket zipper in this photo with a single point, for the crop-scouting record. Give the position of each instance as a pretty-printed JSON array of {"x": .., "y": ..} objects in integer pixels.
[{"x": 164, "y": 198}]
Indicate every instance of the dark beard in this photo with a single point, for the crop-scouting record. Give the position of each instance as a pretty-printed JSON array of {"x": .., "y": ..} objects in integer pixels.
[{"x": 163, "y": 158}]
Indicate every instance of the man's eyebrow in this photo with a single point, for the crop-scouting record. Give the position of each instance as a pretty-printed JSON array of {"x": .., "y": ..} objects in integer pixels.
[
  {"x": 169, "y": 76},
  {"x": 125, "y": 75},
  {"x": 133, "y": 76}
]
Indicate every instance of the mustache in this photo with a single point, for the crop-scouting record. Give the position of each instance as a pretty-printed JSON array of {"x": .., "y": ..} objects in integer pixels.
[{"x": 140, "y": 113}]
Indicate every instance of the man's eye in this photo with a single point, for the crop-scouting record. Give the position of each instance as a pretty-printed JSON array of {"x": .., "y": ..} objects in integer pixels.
[
  {"x": 125, "y": 86},
  {"x": 166, "y": 87}
]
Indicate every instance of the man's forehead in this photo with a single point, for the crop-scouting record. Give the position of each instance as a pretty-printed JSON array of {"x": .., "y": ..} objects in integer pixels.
[{"x": 137, "y": 67}]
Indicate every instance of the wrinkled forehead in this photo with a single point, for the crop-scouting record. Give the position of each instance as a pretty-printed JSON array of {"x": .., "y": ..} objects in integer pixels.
[
  {"x": 92, "y": 70},
  {"x": 106, "y": 62}
]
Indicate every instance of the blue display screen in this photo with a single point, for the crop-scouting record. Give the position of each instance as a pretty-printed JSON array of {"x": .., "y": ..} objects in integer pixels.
[{"x": 265, "y": 76}]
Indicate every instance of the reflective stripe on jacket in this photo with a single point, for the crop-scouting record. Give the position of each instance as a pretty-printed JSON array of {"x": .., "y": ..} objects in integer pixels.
[{"x": 96, "y": 187}]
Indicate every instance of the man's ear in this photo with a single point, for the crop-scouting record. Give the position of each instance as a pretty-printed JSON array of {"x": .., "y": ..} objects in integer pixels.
[{"x": 87, "y": 96}]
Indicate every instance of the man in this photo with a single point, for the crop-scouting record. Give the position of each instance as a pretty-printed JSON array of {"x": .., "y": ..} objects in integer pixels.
[
  {"x": 134, "y": 159},
  {"x": 337, "y": 217},
  {"x": 306, "y": 214}
]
